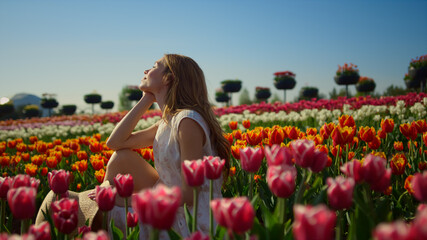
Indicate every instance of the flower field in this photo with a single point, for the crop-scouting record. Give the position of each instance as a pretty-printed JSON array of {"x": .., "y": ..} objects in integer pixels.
[{"x": 346, "y": 169}]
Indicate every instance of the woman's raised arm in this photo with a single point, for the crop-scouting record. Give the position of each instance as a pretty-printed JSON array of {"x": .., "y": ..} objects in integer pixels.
[{"x": 122, "y": 135}]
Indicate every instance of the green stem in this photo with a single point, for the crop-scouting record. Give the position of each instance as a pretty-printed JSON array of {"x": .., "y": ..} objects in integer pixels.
[
  {"x": 251, "y": 180},
  {"x": 282, "y": 210},
  {"x": 126, "y": 217},
  {"x": 301, "y": 188},
  {"x": 3, "y": 214},
  {"x": 211, "y": 225},
  {"x": 25, "y": 225},
  {"x": 338, "y": 229},
  {"x": 104, "y": 220},
  {"x": 154, "y": 234},
  {"x": 195, "y": 209}
]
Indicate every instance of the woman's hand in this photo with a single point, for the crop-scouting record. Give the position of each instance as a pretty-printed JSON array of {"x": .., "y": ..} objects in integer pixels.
[
  {"x": 91, "y": 195},
  {"x": 149, "y": 96}
]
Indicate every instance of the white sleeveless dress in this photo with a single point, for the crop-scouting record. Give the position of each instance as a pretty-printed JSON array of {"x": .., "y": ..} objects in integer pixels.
[{"x": 167, "y": 161}]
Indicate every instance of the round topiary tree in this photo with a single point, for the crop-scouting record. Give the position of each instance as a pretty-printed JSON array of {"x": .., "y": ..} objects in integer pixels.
[
  {"x": 31, "y": 111},
  {"x": 262, "y": 93},
  {"x": 49, "y": 102},
  {"x": 309, "y": 92},
  {"x": 6, "y": 109},
  {"x": 365, "y": 85},
  {"x": 347, "y": 75},
  {"x": 231, "y": 86},
  {"x": 284, "y": 81},
  {"x": 417, "y": 72},
  {"x": 93, "y": 98},
  {"x": 69, "y": 109},
  {"x": 107, "y": 105},
  {"x": 221, "y": 96}
]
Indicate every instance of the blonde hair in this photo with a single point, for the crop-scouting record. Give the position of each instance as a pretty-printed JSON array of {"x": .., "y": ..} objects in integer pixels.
[{"x": 187, "y": 90}]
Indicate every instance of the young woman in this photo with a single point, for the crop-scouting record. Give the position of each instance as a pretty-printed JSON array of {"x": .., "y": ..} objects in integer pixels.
[{"x": 188, "y": 130}]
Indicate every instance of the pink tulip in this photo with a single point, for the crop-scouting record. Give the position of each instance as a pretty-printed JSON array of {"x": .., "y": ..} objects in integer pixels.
[
  {"x": 373, "y": 168},
  {"x": 236, "y": 214},
  {"x": 132, "y": 219},
  {"x": 419, "y": 185},
  {"x": 419, "y": 224},
  {"x": 277, "y": 155},
  {"x": 4, "y": 186},
  {"x": 251, "y": 159},
  {"x": 303, "y": 152},
  {"x": 34, "y": 182},
  {"x": 65, "y": 215},
  {"x": 22, "y": 202},
  {"x": 213, "y": 167},
  {"x": 84, "y": 229},
  {"x": 320, "y": 159},
  {"x": 194, "y": 172},
  {"x": 383, "y": 183},
  {"x": 281, "y": 180},
  {"x": 21, "y": 180},
  {"x": 105, "y": 197},
  {"x": 157, "y": 206},
  {"x": 40, "y": 232},
  {"x": 124, "y": 185},
  {"x": 392, "y": 231},
  {"x": 59, "y": 181},
  {"x": 313, "y": 222},
  {"x": 421, "y": 207},
  {"x": 197, "y": 236},
  {"x": 340, "y": 192},
  {"x": 352, "y": 170},
  {"x": 100, "y": 235}
]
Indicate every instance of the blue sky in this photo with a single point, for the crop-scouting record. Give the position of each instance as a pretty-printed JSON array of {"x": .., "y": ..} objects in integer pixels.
[{"x": 72, "y": 48}]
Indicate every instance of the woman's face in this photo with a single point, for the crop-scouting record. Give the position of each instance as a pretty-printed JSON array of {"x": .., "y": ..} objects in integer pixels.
[{"x": 153, "y": 79}]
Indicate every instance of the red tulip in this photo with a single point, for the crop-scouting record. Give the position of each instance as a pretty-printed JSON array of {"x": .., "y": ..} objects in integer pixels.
[
  {"x": 387, "y": 125},
  {"x": 277, "y": 155},
  {"x": 194, "y": 172},
  {"x": 276, "y": 135},
  {"x": 84, "y": 229},
  {"x": 40, "y": 232},
  {"x": 246, "y": 124},
  {"x": 59, "y": 181},
  {"x": 319, "y": 162},
  {"x": 232, "y": 125},
  {"x": 392, "y": 231},
  {"x": 197, "y": 236},
  {"x": 346, "y": 120},
  {"x": 383, "y": 183},
  {"x": 326, "y": 130},
  {"x": 22, "y": 202},
  {"x": 65, "y": 214},
  {"x": 281, "y": 180},
  {"x": 105, "y": 197},
  {"x": 251, "y": 159},
  {"x": 340, "y": 192},
  {"x": 100, "y": 235},
  {"x": 352, "y": 170},
  {"x": 419, "y": 185},
  {"x": 313, "y": 222},
  {"x": 132, "y": 219},
  {"x": 124, "y": 185},
  {"x": 236, "y": 214},
  {"x": 419, "y": 225},
  {"x": 4, "y": 186},
  {"x": 409, "y": 131},
  {"x": 158, "y": 206},
  {"x": 398, "y": 163},
  {"x": 213, "y": 167},
  {"x": 367, "y": 134}
]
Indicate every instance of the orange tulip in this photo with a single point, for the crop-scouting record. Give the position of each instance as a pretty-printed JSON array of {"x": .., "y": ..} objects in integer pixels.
[
  {"x": 30, "y": 147},
  {"x": 25, "y": 157},
  {"x": 4, "y": 161},
  {"x": 382, "y": 134},
  {"x": 33, "y": 139},
  {"x": 237, "y": 134},
  {"x": 107, "y": 154},
  {"x": 21, "y": 147},
  {"x": 82, "y": 166},
  {"x": 38, "y": 159},
  {"x": 232, "y": 171},
  {"x": 398, "y": 163},
  {"x": 94, "y": 146},
  {"x": 31, "y": 169},
  {"x": 326, "y": 130},
  {"x": 334, "y": 151},
  {"x": 398, "y": 146},
  {"x": 317, "y": 139},
  {"x": 11, "y": 144},
  {"x": 409, "y": 131},
  {"x": 97, "y": 162},
  {"x": 97, "y": 136},
  {"x": 311, "y": 131},
  {"x": 232, "y": 125},
  {"x": 146, "y": 153},
  {"x": 387, "y": 125},
  {"x": 57, "y": 142},
  {"x": 41, "y": 147},
  {"x": 350, "y": 156},
  {"x": 75, "y": 146},
  {"x": 2, "y": 148},
  {"x": 276, "y": 135},
  {"x": 292, "y": 132},
  {"x": 425, "y": 138},
  {"x": 51, "y": 162},
  {"x": 44, "y": 171},
  {"x": 229, "y": 137},
  {"x": 346, "y": 120},
  {"x": 342, "y": 136},
  {"x": 99, "y": 175},
  {"x": 367, "y": 134},
  {"x": 257, "y": 177},
  {"x": 420, "y": 125},
  {"x": 375, "y": 143},
  {"x": 246, "y": 124},
  {"x": 78, "y": 187},
  {"x": 408, "y": 185},
  {"x": 422, "y": 166},
  {"x": 66, "y": 152},
  {"x": 254, "y": 137},
  {"x": 82, "y": 155}
]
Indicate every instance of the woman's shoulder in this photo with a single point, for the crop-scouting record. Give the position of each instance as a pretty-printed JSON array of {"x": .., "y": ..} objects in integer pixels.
[{"x": 182, "y": 113}]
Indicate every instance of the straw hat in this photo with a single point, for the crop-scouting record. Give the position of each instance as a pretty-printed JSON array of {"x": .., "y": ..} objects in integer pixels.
[{"x": 87, "y": 207}]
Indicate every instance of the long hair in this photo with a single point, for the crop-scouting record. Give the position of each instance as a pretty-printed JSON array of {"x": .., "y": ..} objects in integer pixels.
[{"x": 187, "y": 90}]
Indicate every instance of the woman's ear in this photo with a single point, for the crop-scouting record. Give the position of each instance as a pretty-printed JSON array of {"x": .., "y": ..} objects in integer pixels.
[{"x": 168, "y": 78}]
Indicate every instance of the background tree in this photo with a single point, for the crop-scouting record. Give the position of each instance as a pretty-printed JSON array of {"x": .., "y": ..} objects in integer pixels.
[
  {"x": 244, "y": 97},
  {"x": 124, "y": 103},
  {"x": 395, "y": 91},
  {"x": 275, "y": 98}
]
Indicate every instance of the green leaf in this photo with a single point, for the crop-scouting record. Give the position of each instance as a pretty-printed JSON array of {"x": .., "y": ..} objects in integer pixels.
[
  {"x": 134, "y": 235},
  {"x": 117, "y": 233},
  {"x": 188, "y": 218},
  {"x": 220, "y": 232},
  {"x": 173, "y": 235}
]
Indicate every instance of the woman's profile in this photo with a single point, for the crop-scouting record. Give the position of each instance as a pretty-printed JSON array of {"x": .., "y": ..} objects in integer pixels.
[{"x": 188, "y": 130}]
